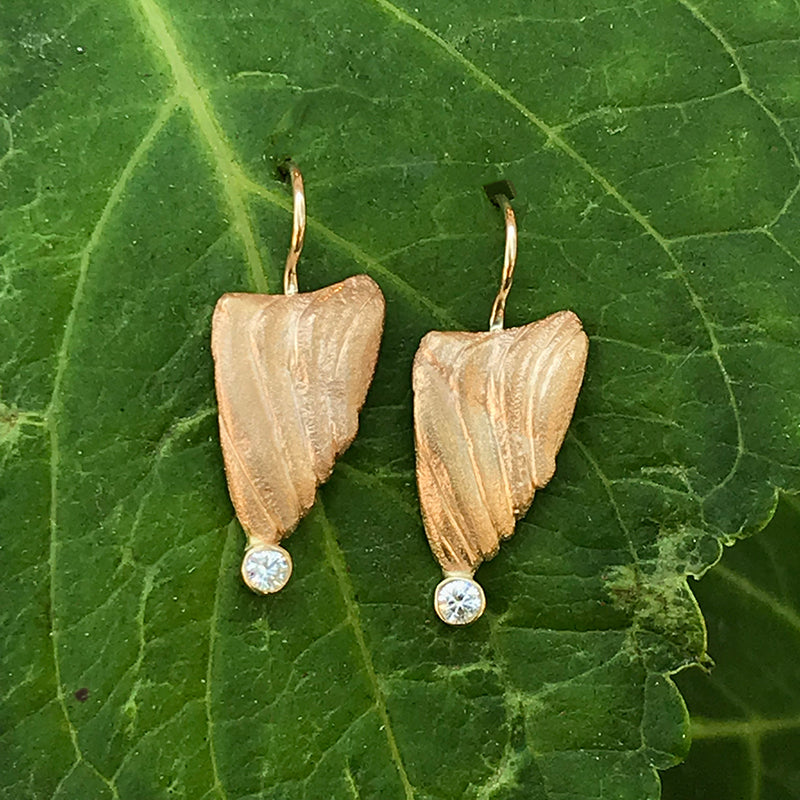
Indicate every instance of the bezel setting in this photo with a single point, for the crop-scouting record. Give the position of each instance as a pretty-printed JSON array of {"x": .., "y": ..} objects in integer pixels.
[
  {"x": 459, "y": 600},
  {"x": 266, "y": 568}
]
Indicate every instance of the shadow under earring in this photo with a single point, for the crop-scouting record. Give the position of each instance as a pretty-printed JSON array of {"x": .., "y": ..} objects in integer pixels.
[
  {"x": 491, "y": 410},
  {"x": 291, "y": 373}
]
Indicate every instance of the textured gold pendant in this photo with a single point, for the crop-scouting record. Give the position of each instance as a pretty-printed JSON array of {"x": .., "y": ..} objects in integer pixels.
[
  {"x": 291, "y": 372},
  {"x": 491, "y": 410}
]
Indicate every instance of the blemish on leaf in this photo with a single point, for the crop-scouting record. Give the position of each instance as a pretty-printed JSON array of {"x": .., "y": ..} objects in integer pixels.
[
  {"x": 667, "y": 626},
  {"x": 82, "y": 695}
]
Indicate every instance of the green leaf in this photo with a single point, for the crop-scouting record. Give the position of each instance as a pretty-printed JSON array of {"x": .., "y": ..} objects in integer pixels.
[
  {"x": 746, "y": 711},
  {"x": 654, "y": 147}
]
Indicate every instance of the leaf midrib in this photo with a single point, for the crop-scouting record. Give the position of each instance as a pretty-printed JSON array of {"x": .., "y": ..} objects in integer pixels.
[
  {"x": 225, "y": 161},
  {"x": 233, "y": 179}
]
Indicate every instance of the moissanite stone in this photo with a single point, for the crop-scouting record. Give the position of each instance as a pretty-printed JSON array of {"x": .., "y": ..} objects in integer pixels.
[
  {"x": 266, "y": 568},
  {"x": 459, "y": 601}
]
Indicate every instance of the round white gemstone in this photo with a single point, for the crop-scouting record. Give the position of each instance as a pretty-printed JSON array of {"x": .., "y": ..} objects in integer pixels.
[
  {"x": 266, "y": 568},
  {"x": 459, "y": 601}
]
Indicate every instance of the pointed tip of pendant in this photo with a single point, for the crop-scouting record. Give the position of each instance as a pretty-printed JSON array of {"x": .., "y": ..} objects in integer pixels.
[{"x": 459, "y": 600}]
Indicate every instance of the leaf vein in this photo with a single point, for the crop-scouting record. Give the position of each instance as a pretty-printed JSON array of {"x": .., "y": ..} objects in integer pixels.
[
  {"x": 781, "y": 610},
  {"x": 336, "y": 558},
  {"x": 54, "y": 406},
  {"x": 373, "y": 264},
  {"x": 188, "y": 87},
  {"x": 212, "y": 640}
]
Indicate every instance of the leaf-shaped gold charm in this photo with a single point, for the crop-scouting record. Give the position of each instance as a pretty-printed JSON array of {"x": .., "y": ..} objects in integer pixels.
[
  {"x": 291, "y": 372},
  {"x": 491, "y": 410}
]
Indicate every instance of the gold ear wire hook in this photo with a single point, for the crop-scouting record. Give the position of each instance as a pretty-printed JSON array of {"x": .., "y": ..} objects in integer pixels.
[
  {"x": 501, "y": 193},
  {"x": 289, "y": 170}
]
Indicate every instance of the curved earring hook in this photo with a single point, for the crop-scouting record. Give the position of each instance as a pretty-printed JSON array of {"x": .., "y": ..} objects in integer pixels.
[
  {"x": 291, "y": 171},
  {"x": 501, "y": 194}
]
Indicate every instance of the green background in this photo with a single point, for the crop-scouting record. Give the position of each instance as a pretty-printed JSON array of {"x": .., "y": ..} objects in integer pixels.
[{"x": 654, "y": 146}]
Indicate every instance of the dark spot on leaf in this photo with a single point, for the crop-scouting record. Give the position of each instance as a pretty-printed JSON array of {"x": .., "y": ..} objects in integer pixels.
[{"x": 82, "y": 695}]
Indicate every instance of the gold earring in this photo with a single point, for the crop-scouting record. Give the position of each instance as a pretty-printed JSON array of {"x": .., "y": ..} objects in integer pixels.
[
  {"x": 291, "y": 373},
  {"x": 491, "y": 410}
]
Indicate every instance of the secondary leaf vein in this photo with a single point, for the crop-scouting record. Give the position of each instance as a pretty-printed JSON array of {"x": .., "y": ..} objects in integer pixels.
[
  {"x": 336, "y": 560},
  {"x": 54, "y": 406},
  {"x": 188, "y": 87}
]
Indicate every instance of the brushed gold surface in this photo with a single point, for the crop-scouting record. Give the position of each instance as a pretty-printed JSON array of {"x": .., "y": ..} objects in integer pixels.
[
  {"x": 291, "y": 373},
  {"x": 491, "y": 410}
]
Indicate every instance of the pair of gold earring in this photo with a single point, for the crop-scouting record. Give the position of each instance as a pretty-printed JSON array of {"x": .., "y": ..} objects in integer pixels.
[{"x": 491, "y": 410}]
